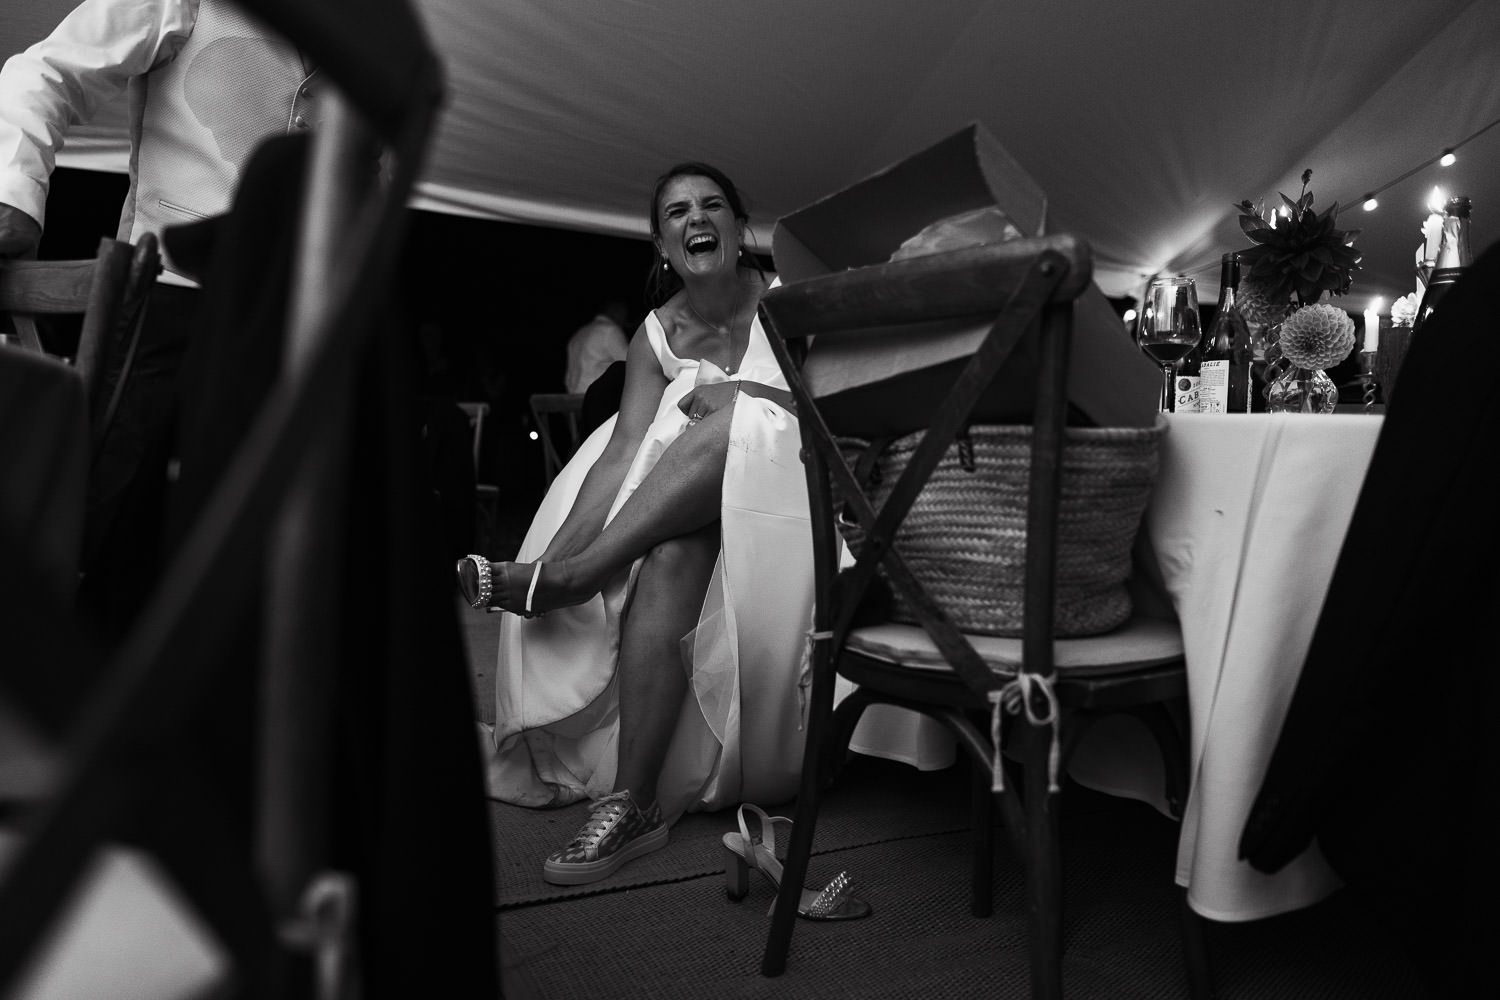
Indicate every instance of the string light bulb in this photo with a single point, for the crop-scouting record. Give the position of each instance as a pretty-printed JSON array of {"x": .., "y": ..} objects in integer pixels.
[
  {"x": 1370, "y": 203},
  {"x": 1446, "y": 158}
]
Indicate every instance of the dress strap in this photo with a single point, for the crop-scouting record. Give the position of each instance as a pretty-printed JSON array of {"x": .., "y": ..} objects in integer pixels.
[{"x": 670, "y": 363}]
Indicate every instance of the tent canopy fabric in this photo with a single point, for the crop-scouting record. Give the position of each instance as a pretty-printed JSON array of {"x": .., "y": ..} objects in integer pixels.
[{"x": 1144, "y": 121}]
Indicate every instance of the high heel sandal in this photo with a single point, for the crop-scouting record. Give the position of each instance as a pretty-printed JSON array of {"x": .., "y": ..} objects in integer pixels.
[
  {"x": 758, "y": 850},
  {"x": 476, "y": 584},
  {"x": 536, "y": 574}
]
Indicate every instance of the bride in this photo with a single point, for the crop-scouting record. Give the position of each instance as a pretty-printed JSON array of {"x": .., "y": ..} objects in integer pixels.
[{"x": 655, "y": 662}]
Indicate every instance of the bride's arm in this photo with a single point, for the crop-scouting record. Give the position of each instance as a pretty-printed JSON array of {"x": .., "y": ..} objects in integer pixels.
[{"x": 644, "y": 384}]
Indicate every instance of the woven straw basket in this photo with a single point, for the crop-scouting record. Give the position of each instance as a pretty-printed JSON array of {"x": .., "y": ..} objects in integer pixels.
[{"x": 965, "y": 536}]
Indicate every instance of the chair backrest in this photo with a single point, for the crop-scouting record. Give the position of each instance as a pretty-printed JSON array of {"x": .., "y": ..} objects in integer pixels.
[
  {"x": 874, "y": 320},
  {"x": 477, "y": 412},
  {"x": 544, "y": 407},
  {"x": 109, "y": 291}
]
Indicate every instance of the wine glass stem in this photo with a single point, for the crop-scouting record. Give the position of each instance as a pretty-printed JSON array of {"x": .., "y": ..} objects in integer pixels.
[{"x": 1168, "y": 377}]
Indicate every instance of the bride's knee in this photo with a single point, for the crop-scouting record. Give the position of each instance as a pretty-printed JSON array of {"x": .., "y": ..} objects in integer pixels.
[{"x": 683, "y": 554}]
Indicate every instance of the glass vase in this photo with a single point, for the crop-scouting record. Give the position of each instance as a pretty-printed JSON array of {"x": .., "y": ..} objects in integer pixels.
[
  {"x": 1265, "y": 347},
  {"x": 1301, "y": 390}
]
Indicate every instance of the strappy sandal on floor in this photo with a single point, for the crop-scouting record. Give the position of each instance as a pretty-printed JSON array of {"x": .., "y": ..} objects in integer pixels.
[{"x": 758, "y": 850}]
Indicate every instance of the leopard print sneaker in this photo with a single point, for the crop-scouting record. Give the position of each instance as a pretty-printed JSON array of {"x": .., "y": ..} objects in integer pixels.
[{"x": 617, "y": 831}]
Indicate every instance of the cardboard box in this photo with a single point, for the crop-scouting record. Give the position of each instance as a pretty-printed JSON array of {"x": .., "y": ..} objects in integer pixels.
[{"x": 1110, "y": 384}]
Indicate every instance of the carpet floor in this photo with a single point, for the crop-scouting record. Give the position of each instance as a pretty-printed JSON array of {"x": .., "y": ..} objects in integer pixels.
[{"x": 662, "y": 927}]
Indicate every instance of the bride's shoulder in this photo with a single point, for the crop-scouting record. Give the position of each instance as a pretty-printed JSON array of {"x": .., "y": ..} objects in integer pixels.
[{"x": 672, "y": 314}]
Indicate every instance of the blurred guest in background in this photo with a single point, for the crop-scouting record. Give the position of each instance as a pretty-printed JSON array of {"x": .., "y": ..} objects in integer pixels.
[{"x": 595, "y": 346}]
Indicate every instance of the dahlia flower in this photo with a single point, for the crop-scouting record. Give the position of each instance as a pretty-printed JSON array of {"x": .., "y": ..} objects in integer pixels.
[{"x": 1317, "y": 336}]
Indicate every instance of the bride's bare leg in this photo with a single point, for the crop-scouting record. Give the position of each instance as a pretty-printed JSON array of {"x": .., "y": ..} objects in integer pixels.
[
  {"x": 680, "y": 495},
  {"x": 664, "y": 607}
]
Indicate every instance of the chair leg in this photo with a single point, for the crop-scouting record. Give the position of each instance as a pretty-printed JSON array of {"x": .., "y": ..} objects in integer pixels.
[
  {"x": 1195, "y": 953},
  {"x": 1044, "y": 873},
  {"x": 982, "y": 816},
  {"x": 1174, "y": 758},
  {"x": 804, "y": 818},
  {"x": 845, "y": 718}
]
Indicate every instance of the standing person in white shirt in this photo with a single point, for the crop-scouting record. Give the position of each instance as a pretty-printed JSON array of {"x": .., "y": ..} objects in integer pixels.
[
  {"x": 207, "y": 83},
  {"x": 595, "y": 346}
]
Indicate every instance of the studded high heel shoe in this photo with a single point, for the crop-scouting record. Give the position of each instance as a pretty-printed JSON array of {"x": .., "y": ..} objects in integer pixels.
[
  {"x": 758, "y": 850},
  {"x": 476, "y": 584}
]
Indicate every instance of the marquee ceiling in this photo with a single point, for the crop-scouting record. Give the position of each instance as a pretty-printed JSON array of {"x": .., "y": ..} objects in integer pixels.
[{"x": 1144, "y": 120}]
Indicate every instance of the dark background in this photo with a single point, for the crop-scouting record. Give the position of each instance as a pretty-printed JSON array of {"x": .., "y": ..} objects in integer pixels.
[{"x": 491, "y": 306}]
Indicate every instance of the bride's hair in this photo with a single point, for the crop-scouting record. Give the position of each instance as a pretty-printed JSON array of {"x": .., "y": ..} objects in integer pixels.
[{"x": 663, "y": 283}]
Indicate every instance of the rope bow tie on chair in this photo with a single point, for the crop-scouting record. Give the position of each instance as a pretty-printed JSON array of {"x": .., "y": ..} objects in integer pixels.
[{"x": 1016, "y": 697}]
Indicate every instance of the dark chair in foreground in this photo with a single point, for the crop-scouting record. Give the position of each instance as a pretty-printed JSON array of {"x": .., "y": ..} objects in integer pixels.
[
  {"x": 1042, "y": 692},
  {"x": 109, "y": 292},
  {"x": 341, "y": 875}
]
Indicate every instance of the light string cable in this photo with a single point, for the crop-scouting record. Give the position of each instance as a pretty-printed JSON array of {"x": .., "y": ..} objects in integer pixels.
[{"x": 1447, "y": 151}]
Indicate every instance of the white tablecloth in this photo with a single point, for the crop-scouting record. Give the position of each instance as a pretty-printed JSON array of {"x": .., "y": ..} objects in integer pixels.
[{"x": 1246, "y": 522}]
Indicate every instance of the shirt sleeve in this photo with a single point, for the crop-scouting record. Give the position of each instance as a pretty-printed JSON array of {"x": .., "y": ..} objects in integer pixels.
[{"x": 62, "y": 79}]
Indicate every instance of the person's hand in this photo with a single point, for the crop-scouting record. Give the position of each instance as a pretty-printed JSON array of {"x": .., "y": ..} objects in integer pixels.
[
  {"x": 19, "y": 232},
  {"x": 701, "y": 400}
]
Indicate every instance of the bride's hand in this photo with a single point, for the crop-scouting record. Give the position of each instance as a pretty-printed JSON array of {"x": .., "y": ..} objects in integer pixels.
[{"x": 702, "y": 400}]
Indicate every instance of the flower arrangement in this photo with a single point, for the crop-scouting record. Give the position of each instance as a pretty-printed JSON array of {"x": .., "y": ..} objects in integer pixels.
[
  {"x": 1303, "y": 254},
  {"x": 1257, "y": 307},
  {"x": 1404, "y": 310},
  {"x": 1317, "y": 336}
]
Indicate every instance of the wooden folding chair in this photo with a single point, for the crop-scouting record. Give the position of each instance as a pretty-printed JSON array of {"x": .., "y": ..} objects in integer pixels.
[
  {"x": 1045, "y": 691},
  {"x": 545, "y": 407},
  {"x": 110, "y": 292},
  {"x": 486, "y": 495}
]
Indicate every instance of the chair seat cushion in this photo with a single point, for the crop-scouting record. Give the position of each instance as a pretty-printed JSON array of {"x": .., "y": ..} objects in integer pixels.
[{"x": 1139, "y": 643}]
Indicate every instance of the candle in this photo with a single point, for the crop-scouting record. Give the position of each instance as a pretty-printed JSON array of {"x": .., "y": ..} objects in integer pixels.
[
  {"x": 1432, "y": 234},
  {"x": 1372, "y": 326}
]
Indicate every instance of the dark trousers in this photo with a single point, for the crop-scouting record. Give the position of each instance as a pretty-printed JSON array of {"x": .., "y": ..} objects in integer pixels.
[{"x": 128, "y": 478}]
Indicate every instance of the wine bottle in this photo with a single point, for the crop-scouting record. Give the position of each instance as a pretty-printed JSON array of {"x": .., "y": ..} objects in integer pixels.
[
  {"x": 1185, "y": 383},
  {"x": 1453, "y": 257},
  {"x": 1224, "y": 375}
]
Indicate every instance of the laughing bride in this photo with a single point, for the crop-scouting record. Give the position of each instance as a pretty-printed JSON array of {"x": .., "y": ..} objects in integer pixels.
[{"x": 655, "y": 655}]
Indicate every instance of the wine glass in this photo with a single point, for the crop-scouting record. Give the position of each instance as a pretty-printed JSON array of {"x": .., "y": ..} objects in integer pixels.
[{"x": 1169, "y": 328}]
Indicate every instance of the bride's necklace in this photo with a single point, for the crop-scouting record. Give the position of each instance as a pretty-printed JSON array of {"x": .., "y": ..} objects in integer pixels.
[{"x": 727, "y": 329}]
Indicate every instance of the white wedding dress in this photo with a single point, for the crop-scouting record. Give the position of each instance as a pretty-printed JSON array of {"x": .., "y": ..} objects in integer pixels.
[{"x": 739, "y": 734}]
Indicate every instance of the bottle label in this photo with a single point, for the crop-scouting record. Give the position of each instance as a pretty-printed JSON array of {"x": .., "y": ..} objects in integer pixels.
[
  {"x": 1213, "y": 387},
  {"x": 1187, "y": 395}
]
